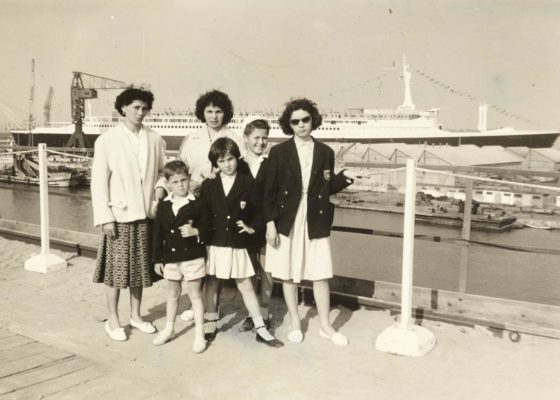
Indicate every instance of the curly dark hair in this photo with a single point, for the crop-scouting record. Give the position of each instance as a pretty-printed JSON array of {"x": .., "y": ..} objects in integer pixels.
[
  {"x": 217, "y": 99},
  {"x": 220, "y": 148},
  {"x": 129, "y": 95},
  {"x": 299, "y": 104}
]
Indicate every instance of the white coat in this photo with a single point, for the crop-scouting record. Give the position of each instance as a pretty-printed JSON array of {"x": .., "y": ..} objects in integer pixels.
[{"x": 118, "y": 192}]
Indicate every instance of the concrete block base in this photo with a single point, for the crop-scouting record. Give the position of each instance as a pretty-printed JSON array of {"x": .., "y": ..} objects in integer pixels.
[
  {"x": 45, "y": 263},
  {"x": 414, "y": 341}
]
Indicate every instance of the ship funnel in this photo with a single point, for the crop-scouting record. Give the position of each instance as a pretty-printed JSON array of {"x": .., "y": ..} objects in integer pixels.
[
  {"x": 482, "y": 116},
  {"x": 407, "y": 105}
]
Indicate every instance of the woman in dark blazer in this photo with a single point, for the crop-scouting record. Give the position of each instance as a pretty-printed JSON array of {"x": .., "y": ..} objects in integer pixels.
[{"x": 298, "y": 213}]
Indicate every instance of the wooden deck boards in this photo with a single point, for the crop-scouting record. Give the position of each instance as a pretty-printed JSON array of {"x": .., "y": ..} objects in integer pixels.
[{"x": 32, "y": 370}]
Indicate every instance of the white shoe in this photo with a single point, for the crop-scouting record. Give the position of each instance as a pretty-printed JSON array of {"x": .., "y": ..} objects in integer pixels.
[
  {"x": 337, "y": 338},
  {"x": 199, "y": 344},
  {"x": 187, "y": 315},
  {"x": 143, "y": 326},
  {"x": 295, "y": 336},
  {"x": 163, "y": 337},
  {"x": 115, "y": 334}
]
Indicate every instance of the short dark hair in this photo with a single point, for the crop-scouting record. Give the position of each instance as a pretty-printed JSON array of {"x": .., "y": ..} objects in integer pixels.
[
  {"x": 220, "y": 148},
  {"x": 129, "y": 95},
  {"x": 215, "y": 98},
  {"x": 256, "y": 124},
  {"x": 175, "y": 167},
  {"x": 299, "y": 104}
]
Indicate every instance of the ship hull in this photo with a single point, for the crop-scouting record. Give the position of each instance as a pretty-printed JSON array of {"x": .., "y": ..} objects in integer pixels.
[{"x": 533, "y": 140}]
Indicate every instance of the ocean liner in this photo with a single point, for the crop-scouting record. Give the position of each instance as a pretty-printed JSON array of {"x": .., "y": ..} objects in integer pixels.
[{"x": 405, "y": 124}]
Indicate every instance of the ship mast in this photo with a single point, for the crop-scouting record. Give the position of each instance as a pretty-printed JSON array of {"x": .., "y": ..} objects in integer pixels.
[
  {"x": 407, "y": 105},
  {"x": 31, "y": 97}
]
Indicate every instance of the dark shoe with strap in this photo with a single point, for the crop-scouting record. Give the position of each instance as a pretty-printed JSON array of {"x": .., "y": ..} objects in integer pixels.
[
  {"x": 247, "y": 325},
  {"x": 210, "y": 335},
  {"x": 270, "y": 343}
]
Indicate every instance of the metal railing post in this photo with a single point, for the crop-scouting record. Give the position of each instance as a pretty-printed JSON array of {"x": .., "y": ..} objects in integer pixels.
[
  {"x": 44, "y": 262},
  {"x": 405, "y": 338}
]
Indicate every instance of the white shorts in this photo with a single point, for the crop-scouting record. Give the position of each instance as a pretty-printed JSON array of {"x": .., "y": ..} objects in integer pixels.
[{"x": 185, "y": 270}]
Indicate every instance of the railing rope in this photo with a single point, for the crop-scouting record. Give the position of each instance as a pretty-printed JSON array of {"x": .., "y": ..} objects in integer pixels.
[
  {"x": 45, "y": 261},
  {"x": 405, "y": 338}
]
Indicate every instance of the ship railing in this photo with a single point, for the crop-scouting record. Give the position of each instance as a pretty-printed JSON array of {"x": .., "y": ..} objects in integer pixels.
[
  {"x": 457, "y": 300},
  {"x": 450, "y": 302}
]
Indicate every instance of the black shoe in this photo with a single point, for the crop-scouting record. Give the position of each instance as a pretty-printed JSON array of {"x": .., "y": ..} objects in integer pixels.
[
  {"x": 270, "y": 343},
  {"x": 247, "y": 325},
  {"x": 210, "y": 336}
]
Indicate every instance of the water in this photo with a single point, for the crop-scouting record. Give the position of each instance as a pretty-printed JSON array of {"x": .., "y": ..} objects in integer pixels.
[{"x": 517, "y": 275}]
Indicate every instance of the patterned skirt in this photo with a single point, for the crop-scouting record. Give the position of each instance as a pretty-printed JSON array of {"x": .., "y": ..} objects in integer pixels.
[{"x": 126, "y": 260}]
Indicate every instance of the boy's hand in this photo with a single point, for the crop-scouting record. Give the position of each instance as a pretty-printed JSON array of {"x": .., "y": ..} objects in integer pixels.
[
  {"x": 245, "y": 228},
  {"x": 158, "y": 269},
  {"x": 187, "y": 230}
]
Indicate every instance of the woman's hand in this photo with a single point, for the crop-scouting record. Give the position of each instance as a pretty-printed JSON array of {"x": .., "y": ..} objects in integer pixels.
[
  {"x": 109, "y": 229},
  {"x": 272, "y": 237},
  {"x": 158, "y": 269},
  {"x": 245, "y": 228},
  {"x": 210, "y": 172},
  {"x": 159, "y": 194},
  {"x": 350, "y": 174},
  {"x": 187, "y": 230}
]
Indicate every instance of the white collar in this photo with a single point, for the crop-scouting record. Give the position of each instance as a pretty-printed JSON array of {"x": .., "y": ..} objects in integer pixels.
[
  {"x": 302, "y": 143},
  {"x": 129, "y": 132},
  {"x": 174, "y": 199}
]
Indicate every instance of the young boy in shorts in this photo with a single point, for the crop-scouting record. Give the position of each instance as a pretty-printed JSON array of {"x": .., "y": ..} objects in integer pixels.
[{"x": 178, "y": 253}]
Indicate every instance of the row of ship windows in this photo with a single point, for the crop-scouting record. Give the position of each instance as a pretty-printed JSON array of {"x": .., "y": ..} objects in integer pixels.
[{"x": 198, "y": 126}]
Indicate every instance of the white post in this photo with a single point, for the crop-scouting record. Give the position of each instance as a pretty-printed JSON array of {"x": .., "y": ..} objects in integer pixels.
[
  {"x": 405, "y": 338},
  {"x": 408, "y": 243},
  {"x": 44, "y": 262}
]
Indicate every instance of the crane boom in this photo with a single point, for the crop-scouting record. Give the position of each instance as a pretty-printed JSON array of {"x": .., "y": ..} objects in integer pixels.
[{"x": 84, "y": 87}]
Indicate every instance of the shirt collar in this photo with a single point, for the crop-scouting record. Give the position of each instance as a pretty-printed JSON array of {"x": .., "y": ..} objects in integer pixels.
[
  {"x": 173, "y": 199},
  {"x": 129, "y": 132},
  {"x": 302, "y": 143}
]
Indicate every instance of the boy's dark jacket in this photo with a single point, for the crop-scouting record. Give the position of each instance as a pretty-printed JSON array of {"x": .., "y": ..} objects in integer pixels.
[
  {"x": 221, "y": 212},
  {"x": 168, "y": 244}
]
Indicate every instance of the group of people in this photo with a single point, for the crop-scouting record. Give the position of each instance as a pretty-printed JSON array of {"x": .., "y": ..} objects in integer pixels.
[{"x": 214, "y": 214}]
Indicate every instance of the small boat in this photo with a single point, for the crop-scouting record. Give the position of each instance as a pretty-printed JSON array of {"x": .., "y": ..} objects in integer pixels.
[{"x": 544, "y": 225}]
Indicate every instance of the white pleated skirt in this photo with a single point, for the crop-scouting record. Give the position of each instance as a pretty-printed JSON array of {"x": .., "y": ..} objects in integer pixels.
[
  {"x": 227, "y": 262},
  {"x": 297, "y": 257}
]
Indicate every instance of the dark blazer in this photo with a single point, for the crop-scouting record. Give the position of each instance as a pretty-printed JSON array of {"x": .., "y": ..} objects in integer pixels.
[
  {"x": 283, "y": 186},
  {"x": 168, "y": 244},
  {"x": 221, "y": 212}
]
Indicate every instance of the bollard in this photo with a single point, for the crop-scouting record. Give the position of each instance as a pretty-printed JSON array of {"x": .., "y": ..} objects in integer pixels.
[
  {"x": 44, "y": 262},
  {"x": 406, "y": 338}
]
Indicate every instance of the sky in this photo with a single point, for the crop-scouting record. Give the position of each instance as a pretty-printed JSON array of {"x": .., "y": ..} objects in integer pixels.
[{"x": 341, "y": 54}]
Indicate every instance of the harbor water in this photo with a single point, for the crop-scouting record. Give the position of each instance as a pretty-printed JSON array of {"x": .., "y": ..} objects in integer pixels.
[{"x": 490, "y": 270}]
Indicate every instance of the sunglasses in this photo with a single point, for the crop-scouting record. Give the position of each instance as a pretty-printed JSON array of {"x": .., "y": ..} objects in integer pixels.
[{"x": 305, "y": 120}]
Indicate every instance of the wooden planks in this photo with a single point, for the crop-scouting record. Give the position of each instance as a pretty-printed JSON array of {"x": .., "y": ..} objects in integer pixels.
[{"x": 32, "y": 370}]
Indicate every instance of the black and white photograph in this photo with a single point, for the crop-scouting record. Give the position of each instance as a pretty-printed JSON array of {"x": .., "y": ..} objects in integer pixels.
[{"x": 269, "y": 200}]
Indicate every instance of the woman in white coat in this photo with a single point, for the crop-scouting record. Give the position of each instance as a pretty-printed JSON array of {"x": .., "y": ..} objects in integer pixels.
[{"x": 127, "y": 163}]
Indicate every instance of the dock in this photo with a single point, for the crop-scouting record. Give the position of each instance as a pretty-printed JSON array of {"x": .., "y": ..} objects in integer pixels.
[{"x": 53, "y": 346}]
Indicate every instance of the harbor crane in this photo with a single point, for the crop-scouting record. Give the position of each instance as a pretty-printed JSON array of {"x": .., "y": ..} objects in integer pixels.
[
  {"x": 47, "y": 106},
  {"x": 85, "y": 87}
]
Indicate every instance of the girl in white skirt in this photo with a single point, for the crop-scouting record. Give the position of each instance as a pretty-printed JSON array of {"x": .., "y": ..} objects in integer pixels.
[
  {"x": 298, "y": 214},
  {"x": 227, "y": 215}
]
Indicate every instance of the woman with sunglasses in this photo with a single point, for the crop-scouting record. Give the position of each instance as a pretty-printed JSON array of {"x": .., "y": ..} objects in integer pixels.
[{"x": 299, "y": 181}]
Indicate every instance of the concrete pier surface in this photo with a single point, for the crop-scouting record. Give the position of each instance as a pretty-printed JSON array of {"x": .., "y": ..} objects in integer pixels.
[{"x": 53, "y": 346}]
